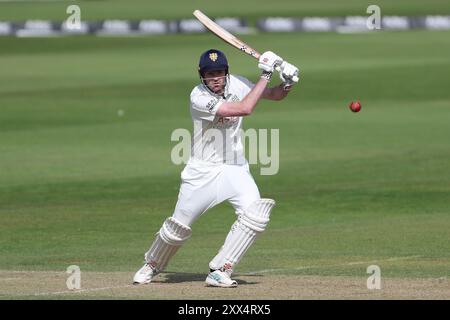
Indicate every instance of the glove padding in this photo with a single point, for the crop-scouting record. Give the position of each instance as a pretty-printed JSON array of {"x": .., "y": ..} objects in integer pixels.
[
  {"x": 268, "y": 61},
  {"x": 288, "y": 73}
]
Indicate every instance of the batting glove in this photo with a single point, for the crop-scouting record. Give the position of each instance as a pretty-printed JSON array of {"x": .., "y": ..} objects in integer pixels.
[
  {"x": 288, "y": 73},
  {"x": 268, "y": 61}
]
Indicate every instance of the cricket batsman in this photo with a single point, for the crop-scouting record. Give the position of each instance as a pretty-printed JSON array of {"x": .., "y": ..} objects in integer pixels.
[{"x": 217, "y": 169}]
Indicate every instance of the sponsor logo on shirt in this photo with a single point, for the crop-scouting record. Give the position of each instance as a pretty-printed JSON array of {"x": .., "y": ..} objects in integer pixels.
[
  {"x": 212, "y": 104},
  {"x": 225, "y": 122},
  {"x": 232, "y": 97}
]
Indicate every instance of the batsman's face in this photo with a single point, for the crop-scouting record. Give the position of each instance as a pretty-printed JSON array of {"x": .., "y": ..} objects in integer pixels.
[{"x": 215, "y": 80}]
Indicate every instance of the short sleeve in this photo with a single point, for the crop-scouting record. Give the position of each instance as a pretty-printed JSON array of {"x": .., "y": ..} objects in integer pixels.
[
  {"x": 245, "y": 85},
  {"x": 205, "y": 106}
]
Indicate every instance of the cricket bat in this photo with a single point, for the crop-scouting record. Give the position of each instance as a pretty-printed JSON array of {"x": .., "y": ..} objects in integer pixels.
[{"x": 228, "y": 37}]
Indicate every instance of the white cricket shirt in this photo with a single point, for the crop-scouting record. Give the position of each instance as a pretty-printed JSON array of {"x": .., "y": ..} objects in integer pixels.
[{"x": 217, "y": 139}]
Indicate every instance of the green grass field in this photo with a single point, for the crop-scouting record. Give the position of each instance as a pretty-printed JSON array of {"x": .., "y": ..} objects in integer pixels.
[{"x": 81, "y": 185}]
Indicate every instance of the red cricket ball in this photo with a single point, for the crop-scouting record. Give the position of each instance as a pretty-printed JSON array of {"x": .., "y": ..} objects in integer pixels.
[{"x": 355, "y": 106}]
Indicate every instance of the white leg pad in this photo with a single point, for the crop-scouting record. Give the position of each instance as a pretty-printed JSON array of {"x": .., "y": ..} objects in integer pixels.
[
  {"x": 243, "y": 233},
  {"x": 169, "y": 238}
]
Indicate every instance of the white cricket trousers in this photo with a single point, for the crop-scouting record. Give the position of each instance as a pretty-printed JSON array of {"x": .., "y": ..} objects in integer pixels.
[{"x": 204, "y": 185}]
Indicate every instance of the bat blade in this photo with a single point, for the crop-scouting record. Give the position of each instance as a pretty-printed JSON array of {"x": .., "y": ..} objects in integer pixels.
[{"x": 225, "y": 35}]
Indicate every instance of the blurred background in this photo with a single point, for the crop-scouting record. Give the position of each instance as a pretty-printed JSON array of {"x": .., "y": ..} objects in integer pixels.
[{"x": 86, "y": 118}]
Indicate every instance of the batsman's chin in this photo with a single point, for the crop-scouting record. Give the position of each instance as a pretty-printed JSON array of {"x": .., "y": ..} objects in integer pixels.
[{"x": 217, "y": 89}]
